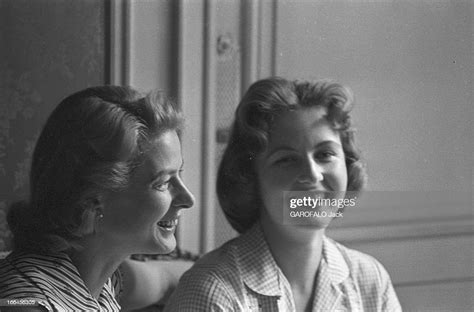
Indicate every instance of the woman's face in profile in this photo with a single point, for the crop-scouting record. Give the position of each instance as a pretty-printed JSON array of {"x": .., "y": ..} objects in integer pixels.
[
  {"x": 304, "y": 154},
  {"x": 143, "y": 217}
]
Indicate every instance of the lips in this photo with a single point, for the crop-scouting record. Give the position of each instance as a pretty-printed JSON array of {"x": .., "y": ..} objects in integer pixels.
[{"x": 168, "y": 225}]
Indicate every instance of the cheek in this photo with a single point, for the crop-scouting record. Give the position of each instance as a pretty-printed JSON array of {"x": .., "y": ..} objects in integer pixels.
[
  {"x": 271, "y": 190},
  {"x": 155, "y": 205},
  {"x": 278, "y": 178},
  {"x": 120, "y": 209},
  {"x": 337, "y": 176},
  {"x": 139, "y": 209}
]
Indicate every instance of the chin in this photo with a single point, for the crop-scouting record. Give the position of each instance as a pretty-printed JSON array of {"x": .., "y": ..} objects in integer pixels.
[
  {"x": 315, "y": 224},
  {"x": 164, "y": 240},
  {"x": 165, "y": 247}
]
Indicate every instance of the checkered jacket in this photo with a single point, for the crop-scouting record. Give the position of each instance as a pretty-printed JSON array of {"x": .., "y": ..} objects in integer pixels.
[{"x": 243, "y": 276}]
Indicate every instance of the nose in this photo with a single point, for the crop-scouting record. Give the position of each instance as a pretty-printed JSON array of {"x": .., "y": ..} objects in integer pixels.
[
  {"x": 311, "y": 172},
  {"x": 184, "y": 198}
]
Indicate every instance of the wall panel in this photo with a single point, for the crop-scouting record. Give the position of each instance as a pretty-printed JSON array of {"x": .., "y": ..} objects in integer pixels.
[
  {"x": 455, "y": 296},
  {"x": 48, "y": 49}
]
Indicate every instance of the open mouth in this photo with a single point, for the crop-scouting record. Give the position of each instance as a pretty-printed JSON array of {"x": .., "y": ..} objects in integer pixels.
[{"x": 168, "y": 225}]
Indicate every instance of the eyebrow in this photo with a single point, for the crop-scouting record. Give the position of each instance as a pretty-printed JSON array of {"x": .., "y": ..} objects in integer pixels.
[
  {"x": 160, "y": 173},
  {"x": 279, "y": 149},
  {"x": 328, "y": 142},
  {"x": 291, "y": 149},
  {"x": 157, "y": 175}
]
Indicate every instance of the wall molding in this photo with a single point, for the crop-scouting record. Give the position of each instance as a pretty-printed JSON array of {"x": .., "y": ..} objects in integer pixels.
[
  {"x": 209, "y": 129},
  {"x": 191, "y": 95},
  {"x": 393, "y": 207},
  {"x": 251, "y": 15},
  {"x": 259, "y": 41},
  {"x": 119, "y": 42},
  {"x": 402, "y": 231}
]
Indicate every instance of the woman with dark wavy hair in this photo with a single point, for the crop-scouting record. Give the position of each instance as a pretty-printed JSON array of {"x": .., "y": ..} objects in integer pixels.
[
  {"x": 105, "y": 183},
  {"x": 289, "y": 139}
]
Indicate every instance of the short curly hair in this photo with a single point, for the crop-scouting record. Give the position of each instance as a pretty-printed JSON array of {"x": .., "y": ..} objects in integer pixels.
[{"x": 266, "y": 99}]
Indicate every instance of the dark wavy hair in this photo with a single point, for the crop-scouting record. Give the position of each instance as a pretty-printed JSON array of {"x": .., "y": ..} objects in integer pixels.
[
  {"x": 90, "y": 144},
  {"x": 237, "y": 183}
]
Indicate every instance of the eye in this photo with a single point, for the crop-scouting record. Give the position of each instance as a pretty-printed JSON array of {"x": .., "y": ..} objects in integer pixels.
[
  {"x": 286, "y": 160},
  {"x": 162, "y": 186},
  {"x": 325, "y": 155}
]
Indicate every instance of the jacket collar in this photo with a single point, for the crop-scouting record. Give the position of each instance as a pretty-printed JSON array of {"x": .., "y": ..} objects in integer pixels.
[
  {"x": 262, "y": 275},
  {"x": 336, "y": 265},
  {"x": 258, "y": 268},
  {"x": 333, "y": 271}
]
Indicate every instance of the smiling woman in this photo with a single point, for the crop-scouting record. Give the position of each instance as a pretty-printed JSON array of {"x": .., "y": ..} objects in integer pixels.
[
  {"x": 154, "y": 186},
  {"x": 305, "y": 154},
  {"x": 105, "y": 183},
  {"x": 288, "y": 136}
]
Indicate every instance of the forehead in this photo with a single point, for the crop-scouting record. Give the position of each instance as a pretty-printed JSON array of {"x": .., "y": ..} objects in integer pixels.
[
  {"x": 164, "y": 145},
  {"x": 162, "y": 153},
  {"x": 304, "y": 124}
]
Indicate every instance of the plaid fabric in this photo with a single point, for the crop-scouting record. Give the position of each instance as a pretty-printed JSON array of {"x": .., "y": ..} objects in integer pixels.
[
  {"x": 243, "y": 276},
  {"x": 54, "y": 282}
]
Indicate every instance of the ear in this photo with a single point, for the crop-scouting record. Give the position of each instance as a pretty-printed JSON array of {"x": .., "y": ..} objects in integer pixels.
[{"x": 92, "y": 213}]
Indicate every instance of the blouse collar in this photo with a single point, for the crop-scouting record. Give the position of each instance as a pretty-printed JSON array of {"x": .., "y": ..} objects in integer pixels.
[{"x": 262, "y": 275}]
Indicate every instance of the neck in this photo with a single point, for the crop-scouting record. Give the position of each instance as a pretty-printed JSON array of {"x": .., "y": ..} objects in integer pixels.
[
  {"x": 297, "y": 251},
  {"x": 95, "y": 264}
]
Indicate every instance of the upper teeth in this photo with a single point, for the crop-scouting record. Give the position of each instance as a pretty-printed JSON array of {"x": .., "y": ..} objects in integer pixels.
[{"x": 168, "y": 223}]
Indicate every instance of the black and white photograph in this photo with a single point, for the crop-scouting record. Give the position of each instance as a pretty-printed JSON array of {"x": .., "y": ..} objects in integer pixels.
[{"x": 236, "y": 155}]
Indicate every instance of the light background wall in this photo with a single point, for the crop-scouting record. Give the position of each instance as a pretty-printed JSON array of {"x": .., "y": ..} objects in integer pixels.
[{"x": 410, "y": 65}]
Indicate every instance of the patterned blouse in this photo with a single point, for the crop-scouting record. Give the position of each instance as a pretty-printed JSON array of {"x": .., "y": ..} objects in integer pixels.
[
  {"x": 53, "y": 282},
  {"x": 242, "y": 275}
]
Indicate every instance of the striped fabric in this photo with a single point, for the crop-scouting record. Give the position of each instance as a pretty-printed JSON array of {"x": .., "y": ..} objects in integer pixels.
[
  {"x": 54, "y": 282},
  {"x": 242, "y": 275}
]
